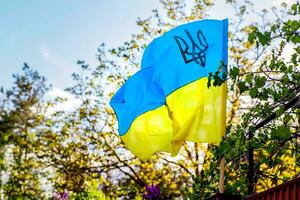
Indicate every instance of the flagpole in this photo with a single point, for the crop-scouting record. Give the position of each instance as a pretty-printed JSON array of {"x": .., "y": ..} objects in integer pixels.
[
  {"x": 222, "y": 170},
  {"x": 222, "y": 161}
]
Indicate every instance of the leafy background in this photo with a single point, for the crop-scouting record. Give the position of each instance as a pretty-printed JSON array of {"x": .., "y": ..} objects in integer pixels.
[{"x": 49, "y": 153}]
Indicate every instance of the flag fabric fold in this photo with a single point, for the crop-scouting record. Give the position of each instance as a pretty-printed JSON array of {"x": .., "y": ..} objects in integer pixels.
[{"x": 168, "y": 102}]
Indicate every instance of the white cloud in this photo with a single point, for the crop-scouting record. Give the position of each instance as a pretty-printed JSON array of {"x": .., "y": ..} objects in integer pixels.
[
  {"x": 69, "y": 104},
  {"x": 45, "y": 51}
]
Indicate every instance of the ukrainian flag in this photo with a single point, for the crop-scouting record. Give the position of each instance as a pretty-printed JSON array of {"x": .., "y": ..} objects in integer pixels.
[{"x": 168, "y": 102}]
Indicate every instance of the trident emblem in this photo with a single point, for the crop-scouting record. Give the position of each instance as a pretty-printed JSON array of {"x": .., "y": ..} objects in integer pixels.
[{"x": 197, "y": 52}]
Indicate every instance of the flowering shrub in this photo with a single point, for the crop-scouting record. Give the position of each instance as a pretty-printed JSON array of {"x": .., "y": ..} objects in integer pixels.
[
  {"x": 61, "y": 195},
  {"x": 152, "y": 192}
]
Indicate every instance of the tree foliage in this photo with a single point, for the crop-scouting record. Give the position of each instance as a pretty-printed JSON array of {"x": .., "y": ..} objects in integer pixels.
[
  {"x": 79, "y": 155},
  {"x": 20, "y": 121}
]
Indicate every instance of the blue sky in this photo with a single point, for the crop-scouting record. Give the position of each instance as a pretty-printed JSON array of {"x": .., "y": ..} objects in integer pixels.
[{"x": 52, "y": 35}]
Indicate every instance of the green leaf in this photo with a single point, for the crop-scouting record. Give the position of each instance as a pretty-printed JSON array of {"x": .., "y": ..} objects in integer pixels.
[
  {"x": 253, "y": 92},
  {"x": 249, "y": 78},
  {"x": 273, "y": 28},
  {"x": 287, "y": 118},
  {"x": 234, "y": 72},
  {"x": 242, "y": 87},
  {"x": 281, "y": 132},
  {"x": 294, "y": 9},
  {"x": 280, "y": 111},
  {"x": 225, "y": 147},
  {"x": 251, "y": 37},
  {"x": 264, "y": 38},
  {"x": 260, "y": 81}
]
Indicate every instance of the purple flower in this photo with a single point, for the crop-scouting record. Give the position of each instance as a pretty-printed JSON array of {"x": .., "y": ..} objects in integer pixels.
[
  {"x": 65, "y": 195},
  {"x": 61, "y": 196},
  {"x": 56, "y": 195},
  {"x": 153, "y": 192}
]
